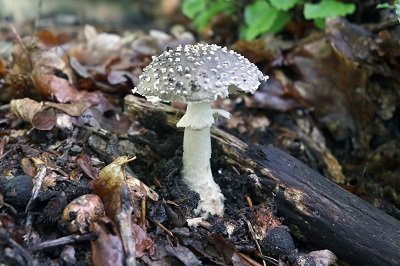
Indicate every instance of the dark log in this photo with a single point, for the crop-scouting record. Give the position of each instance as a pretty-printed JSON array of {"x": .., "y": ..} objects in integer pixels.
[{"x": 317, "y": 210}]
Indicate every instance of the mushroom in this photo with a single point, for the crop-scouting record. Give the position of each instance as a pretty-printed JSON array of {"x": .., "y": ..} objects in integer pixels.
[{"x": 197, "y": 75}]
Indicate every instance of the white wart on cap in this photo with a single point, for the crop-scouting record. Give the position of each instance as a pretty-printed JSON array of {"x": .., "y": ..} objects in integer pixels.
[{"x": 196, "y": 73}]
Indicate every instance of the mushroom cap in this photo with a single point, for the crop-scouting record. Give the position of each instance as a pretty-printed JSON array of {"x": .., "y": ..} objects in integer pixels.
[{"x": 197, "y": 73}]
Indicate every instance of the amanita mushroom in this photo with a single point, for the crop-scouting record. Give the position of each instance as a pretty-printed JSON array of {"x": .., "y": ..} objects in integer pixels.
[{"x": 198, "y": 75}]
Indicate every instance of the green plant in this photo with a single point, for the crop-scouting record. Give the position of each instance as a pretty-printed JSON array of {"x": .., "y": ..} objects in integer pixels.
[
  {"x": 394, "y": 5},
  {"x": 263, "y": 16}
]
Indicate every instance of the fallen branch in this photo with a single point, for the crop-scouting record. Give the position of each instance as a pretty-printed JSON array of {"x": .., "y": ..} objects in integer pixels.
[{"x": 317, "y": 210}]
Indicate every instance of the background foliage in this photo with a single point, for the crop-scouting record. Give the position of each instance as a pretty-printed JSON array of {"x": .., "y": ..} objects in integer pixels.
[{"x": 263, "y": 16}]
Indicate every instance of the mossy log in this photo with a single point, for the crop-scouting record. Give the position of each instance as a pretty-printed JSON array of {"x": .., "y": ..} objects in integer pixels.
[{"x": 318, "y": 211}]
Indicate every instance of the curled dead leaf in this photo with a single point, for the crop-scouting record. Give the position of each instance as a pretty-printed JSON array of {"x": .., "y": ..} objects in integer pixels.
[
  {"x": 111, "y": 178},
  {"x": 84, "y": 163},
  {"x": 40, "y": 116},
  {"x": 51, "y": 86},
  {"x": 139, "y": 189},
  {"x": 114, "y": 173}
]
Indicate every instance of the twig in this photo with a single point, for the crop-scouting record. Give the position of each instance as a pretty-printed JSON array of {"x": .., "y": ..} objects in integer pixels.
[
  {"x": 249, "y": 201},
  {"x": 19, "y": 39},
  {"x": 5, "y": 107},
  {"x": 249, "y": 260},
  {"x": 69, "y": 142},
  {"x": 63, "y": 241},
  {"x": 143, "y": 212},
  {"x": 124, "y": 218},
  {"x": 5, "y": 237},
  {"x": 35, "y": 192},
  {"x": 6, "y": 153},
  {"x": 38, "y": 184},
  {"x": 168, "y": 232}
]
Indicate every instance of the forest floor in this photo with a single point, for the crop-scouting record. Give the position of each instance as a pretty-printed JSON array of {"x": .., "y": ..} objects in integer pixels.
[{"x": 332, "y": 101}]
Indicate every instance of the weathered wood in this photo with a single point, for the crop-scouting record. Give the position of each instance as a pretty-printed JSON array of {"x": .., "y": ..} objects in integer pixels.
[{"x": 316, "y": 209}]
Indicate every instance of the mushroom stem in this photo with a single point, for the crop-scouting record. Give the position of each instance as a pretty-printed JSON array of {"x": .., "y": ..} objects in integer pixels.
[{"x": 196, "y": 172}]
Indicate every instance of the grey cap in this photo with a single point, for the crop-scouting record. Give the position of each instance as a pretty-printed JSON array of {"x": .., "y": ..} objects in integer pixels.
[{"x": 196, "y": 73}]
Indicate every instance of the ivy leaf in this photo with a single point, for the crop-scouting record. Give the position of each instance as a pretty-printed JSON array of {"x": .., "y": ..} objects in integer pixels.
[
  {"x": 220, "y": 6},
  {"x": 384, "y": 5},
  {"x": 191, "y": 8},
  {"x": 259, "y": 18},
  {"x": 284, "y": 4},
  {"x": 328, "y": 8},
  {"x": 320, "y": 23},
  {"x": 280, "y": 22}
]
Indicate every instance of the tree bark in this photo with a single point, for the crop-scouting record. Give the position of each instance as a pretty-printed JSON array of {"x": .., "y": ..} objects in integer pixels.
[{"x": 317, "y": 210}]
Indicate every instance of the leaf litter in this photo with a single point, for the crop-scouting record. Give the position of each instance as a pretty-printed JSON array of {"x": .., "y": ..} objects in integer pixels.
[{"x": 65, "y": 125}]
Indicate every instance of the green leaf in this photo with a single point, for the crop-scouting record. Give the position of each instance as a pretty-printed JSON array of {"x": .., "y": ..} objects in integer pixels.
[
  {"x": 216, "y": 7},
  {"x": 280, "y": 22},
  {"x": 328, "y": 8},
  {"x": 259, "y": 18},
  {"x": 191, "y": 8},
  {"x": 320, "y": 23},
  {"x": 284, "y": 5},
  {"x": 384, "y": 5}
]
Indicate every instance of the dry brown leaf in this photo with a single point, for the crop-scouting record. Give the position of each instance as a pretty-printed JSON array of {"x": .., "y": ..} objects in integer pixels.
[
  {"x": 72, "y": 109},
  {"x": 28, "y": 167},
  {"x": 43, "y": 115},
  {"x": 111, "y": 178},
  {"x": 107, "y": 248},
  {"x": 50, "y": 39},
  {"x": 51, "y": 86},
  {"x": 139, "y": 190},
  {"x": 85, "y": 164},
  {"x": 40, "y": 116},
  {"x": 21, "y": 60},
  {"x": 48, "y": 62},
  {"x": 143, "y": 241},
  {"x": 3, "y": 144},
  {"x": 3, "y": 70}
]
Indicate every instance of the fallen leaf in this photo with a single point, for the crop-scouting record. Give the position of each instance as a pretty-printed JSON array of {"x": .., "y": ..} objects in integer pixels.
[
  {"x": 28, "y": 167},
  {"x": 143, "y": 241},
  {"x": 139, "y": 190},
  {"x": 50, "y": 39},
  {"x": 117, "y": 77},
  {"x": 84, "y": 163},
  {"x": 40, "y": 116},
  {"x": 276, "y": 94},
  {"x": 184, "y": 254},
  {"x": 43, "y": 115},
  {"x": 107, "y": 248},
  {"x": 3, "y": 69},
  {"x": 108, "y": 185},
  {"x": 72, "y": 109},
  {"x": 99, "y": 46}
]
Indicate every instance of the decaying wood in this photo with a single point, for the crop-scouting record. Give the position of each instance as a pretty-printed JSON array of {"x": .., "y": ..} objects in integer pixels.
[{"x": 316, "y": 209}]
